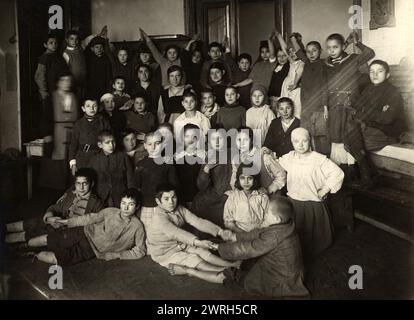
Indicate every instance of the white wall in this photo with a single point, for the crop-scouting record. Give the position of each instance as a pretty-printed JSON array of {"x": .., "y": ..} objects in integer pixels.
[
  {"x": 9, "y": 102},
  {"x": 124, "y": 17},
  {"x": 391, "y": 44},
  {"x": 317, "y": 19}
]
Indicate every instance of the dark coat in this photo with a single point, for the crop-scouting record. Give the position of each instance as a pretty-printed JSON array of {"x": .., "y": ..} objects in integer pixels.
[
  {"x": 278, "y": 271},
  {"x": 114, "y": 175},
  {"x": 278, "y": 140}
]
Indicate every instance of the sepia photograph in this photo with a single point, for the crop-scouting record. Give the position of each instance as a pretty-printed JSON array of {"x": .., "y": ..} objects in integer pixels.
[{"x": 214, "y": 153}]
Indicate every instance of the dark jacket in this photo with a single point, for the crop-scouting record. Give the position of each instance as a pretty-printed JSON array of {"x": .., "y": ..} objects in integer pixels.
[
  {"x": 114, "y": 175},
  {"x": 278, "y": 140},
  {"x": 278, "y": 271}
]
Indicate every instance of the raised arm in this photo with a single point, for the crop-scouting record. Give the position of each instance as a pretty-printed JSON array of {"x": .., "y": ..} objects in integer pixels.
[
  {"x": 154, "y": 50},
  {"x": 366, "y": 52},
  {"x": 298, "y": 49}
]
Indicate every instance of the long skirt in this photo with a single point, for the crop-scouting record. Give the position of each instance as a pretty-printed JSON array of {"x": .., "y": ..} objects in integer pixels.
[{"x": 313, "y": 225}]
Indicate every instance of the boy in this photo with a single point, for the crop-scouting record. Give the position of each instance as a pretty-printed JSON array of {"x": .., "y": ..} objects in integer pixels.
[
  {"x": 99, "y": 69},
  {"x": 190, "y": 115},
  {"x": 109, "y": 234},
  {"x": 232, "y": 115},
  {"x": 174, "y": 248},
  {"x": 77, "y": 201},
  {"x": 278, "y": 137},
  {"x": 343, "y": 75},
  {"x": 50, "y": 67},
  {"x": 209, "y": 106},
  {"x": 215, "y": 52},
  {"x": 83, "y": 144},
  {"x": 114, "y": 116},
  {"x": 139, "y": 118},
  {"x": 188, "y": 162},
  {"x": 75, "y": 59},
  {"x": 380, "y": 109},
  {"x": 150, "y": 172},
  {"x": 277, "y": 271},
  {"x": 240, "y": 78},
  {"x": 120, "y": 96},
  {"x": 113, "y": 168}
]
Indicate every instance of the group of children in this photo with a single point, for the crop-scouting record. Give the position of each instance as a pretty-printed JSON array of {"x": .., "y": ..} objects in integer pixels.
[{"x": 162, "y": 124}]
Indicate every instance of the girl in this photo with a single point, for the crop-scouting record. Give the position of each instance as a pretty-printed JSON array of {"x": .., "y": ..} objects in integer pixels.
[
  {"x": 290, "y": 86},
  {"x": 121, "y": 98},
  {"x": 218, "y": 81},
  {"x": 278, "y": 76},
  {"x": 272, "y": 176},
  {"x": 123, "y": 66},
  {"x": 65, "y": 110},
  {"x": 246, "y": 205},
  {"x": 144, "y": 57},
  {"x": 259, "y": 116},
  {"x": 313, "y": 94},
  {"x": 214, "y": 180},
  {"x": 169, "y": 106},
  {"x": 310, "y": 177},
  {"x": 171, "y": 57}
]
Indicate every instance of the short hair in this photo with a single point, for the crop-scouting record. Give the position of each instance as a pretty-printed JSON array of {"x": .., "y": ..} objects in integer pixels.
[
  {"x": 172, "y": 46},
  {"x": 123, "y": 48},
  {"x": 190, "y": 93},
  {"x": 150, "y": 135},
  {"x": 233, "y": 88},
  {"x": 250, "y": 132},
  {"x": 50, "y": 36},
  {"x": 175, "y": 68},
  {"x": 167, "y": 125},
  {"x": 240, "y": 171},
  {"x": 118, "y": 77},
  {"x": 217, "y": 65},
  {"x": 381, "y": 63},
  {"x": 86, "y": 173},
  {"x": 191, "y": 126},
  {"x": 105, "y": 134},
  {"x": 285, "y": 208},
  {"x": 164, "y": 187},
  {"x": 215, "y": 44},
  {"x": 127, "y": 132},
  {"x": 246, "y": 56},
  {"x": 314, "y": 43},
  {"x": 133, "y": 194},
  {"x": 336, "y": 36},
  {"x": 285, "y": 100},
  {"x": 72, "y": 32},
  {"x": 139, "y": 95},
  {"x": 92, "y": 99},
  {"x": 141, "y": 65},
  {"x": 206, "y": 90}
]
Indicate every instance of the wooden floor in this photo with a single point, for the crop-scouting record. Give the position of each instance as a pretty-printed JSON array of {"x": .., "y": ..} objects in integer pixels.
[{"x": 387, "y": 263}]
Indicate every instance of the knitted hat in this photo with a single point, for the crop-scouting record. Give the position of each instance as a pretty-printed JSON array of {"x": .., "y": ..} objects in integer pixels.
[
  {"x": 97, "y": 40},
  {"x": 107, "y": 96},
  {"x": 261, "y": 88}
]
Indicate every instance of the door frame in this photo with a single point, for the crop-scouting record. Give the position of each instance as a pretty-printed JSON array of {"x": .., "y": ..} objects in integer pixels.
[{"x": 195, "y": 17}]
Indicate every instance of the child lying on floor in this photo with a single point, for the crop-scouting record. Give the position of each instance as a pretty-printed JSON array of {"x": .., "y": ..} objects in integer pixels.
[
  {"x": 278, "y": 269},
  {"x": 174, "y": 248},
  {"x": 77, "y": 201},
  {"x": 109, "y": 234}
]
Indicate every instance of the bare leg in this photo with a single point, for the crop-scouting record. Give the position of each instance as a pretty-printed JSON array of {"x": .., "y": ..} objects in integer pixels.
[
  {"x": 15, "y": 237},
  {"x": 213, "y": 259},
  {"x": 14, "y": 227},
  {"x": 40, "y": 241},
  {"x": 207, "y": 266},
  {"x": 47, "y": 256},
  {"x": 214, "y": 277}
]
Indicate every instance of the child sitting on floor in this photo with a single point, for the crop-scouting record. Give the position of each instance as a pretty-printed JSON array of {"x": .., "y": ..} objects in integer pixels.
[
  {"x": 232, "y": 115},
  {"x": 139, "y": 118},
  {"x": 113, "y": 168},
  {"x": 77, "y": 201},
  {"x": 190, "y": 115},
  {"x": 277, "y": 270},
  {"x": 278, "y": 136},
  {"x": 83, "y": 144},
  {"x": 174, "y": 248},
  {"x": 109, "y": 234},
  {"x": 245, "y": 207},
  {"x": 209, "y": 106},
  {"x": 311, "y": 176},
  {"x": 259, "y": 116}
]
